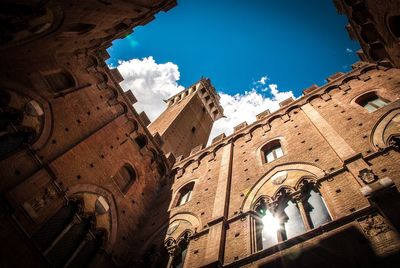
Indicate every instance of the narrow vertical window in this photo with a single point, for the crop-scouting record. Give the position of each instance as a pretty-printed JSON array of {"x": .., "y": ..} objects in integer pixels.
[
  {"x": 53, "y": 227},
  {"x": 315, "y": 208},
  {"x": 125, "y": 177},
  {"x": 185, "y": 194},
  {"x": 270, "y": 228},
  {"x": 179, "y": 259},
  {"x": 394, "y": 25},
  {"x": 291, "y": 220}
]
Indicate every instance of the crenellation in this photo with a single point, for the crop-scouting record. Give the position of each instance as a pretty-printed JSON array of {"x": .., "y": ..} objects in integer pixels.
[
  {"x": 286, "y": 102},
  {"x": 323, "y": 167}
]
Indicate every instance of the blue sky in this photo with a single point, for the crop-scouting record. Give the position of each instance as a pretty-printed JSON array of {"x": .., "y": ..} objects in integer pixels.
[
  {"x": 295, "y": 43},
  {"x": 292, "y": 44}
]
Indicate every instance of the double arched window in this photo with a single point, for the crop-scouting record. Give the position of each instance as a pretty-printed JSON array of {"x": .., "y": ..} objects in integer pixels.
[
  {"x": 290, "y": 215},
  {"x": 70, "y": 237}
]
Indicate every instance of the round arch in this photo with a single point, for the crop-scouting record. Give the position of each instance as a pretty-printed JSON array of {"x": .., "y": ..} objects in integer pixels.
[
  {"x": 377, "y": 136},
  {"x": 91, "y": 188},
  {"x": 47, "y": 124}
]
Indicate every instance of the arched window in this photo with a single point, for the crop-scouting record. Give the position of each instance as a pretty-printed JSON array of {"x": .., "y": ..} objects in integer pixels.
[
  {"x": 371, "y": 101},
  {"x": 156, "y": 256},
  {"x": 290, "y": 218},
  {"x": 21, "y": 121},
  {"x": 125, "y": 177},
  {"x": 184, "y": 194},
  {"x": 179, "y": 258},
  {"x": 314, "y": 206},
  {"x": 272, "y": 151},
  {"x": 141, "y": 141},
  {"x": 70, "y": 241},
  {"x": 267, "y": 229},
  {"x": 69, "y": 238},
  {"x": 54, "y": 226},
  {"x": 291, "y": 215}
]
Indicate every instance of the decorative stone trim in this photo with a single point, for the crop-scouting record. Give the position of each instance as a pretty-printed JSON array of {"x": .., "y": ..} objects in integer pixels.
[{"x": 377, "y": 186}]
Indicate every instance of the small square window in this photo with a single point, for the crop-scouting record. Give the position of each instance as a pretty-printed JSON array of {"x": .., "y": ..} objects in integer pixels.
[
  {"x": 272, "y": 151},
  {"x": 371, "y": 102}
]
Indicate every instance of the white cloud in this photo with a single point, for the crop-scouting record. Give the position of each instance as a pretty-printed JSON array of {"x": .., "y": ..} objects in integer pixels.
[
  {"x": 245, "y": 107},
  {"x": 150, "y": 82},
  {"x": 349, "y": 50},
  {"x": 263, "y": 80}
]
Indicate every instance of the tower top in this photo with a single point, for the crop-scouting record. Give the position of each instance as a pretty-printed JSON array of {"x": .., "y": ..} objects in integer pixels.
[
  {"x": 207, "y": 94},
  {"x": 188, "y": 119}
]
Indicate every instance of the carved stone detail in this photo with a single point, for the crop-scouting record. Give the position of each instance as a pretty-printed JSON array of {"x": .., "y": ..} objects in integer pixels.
[
  {"x": 366, "y": 175},
  {"x": 395, "y": 143},
  {"x": 172, "y": 228},
  {"x": 279, "y": 178},
  {"x": 41, "y": 200},
  {"x": 186, "y": 237},
  {"x": 373, "y": 225},
  {"x": 171, "y": 246}
]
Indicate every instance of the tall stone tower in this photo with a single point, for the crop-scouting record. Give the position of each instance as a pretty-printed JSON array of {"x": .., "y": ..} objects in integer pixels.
[{"x": 188, "y": 119}]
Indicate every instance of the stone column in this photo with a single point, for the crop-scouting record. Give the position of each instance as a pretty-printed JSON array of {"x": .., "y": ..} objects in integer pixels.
[{"x": 216, "y": 235}]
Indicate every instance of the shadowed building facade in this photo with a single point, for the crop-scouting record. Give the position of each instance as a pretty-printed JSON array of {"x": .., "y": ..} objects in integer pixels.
[{"x": 85, "y": 183}]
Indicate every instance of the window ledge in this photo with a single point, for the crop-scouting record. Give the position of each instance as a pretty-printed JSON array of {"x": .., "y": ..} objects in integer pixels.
[
  {"x": 329, "y": 226},
  {"x": 265, "y": 162}
]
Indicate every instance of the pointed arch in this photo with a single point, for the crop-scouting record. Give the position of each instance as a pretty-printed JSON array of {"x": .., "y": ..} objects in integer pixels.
[
  {"x": 379, "y": 138},
  {"x": 282, "y": 191},
  {"x": 91, "y": 188},
  {"x": 186, "y": 233},
  {"x": 190, "y": 218},
  {"x": 303, "y": 181},
  {"x": 254, "y": 190}
]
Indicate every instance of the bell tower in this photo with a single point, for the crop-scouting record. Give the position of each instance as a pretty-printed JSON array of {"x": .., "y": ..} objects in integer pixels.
[{"x": 188, "y": 119}]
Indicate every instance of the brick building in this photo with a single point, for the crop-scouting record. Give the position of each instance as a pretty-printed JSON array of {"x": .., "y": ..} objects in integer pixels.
[{"x": 85, "y": 181}]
